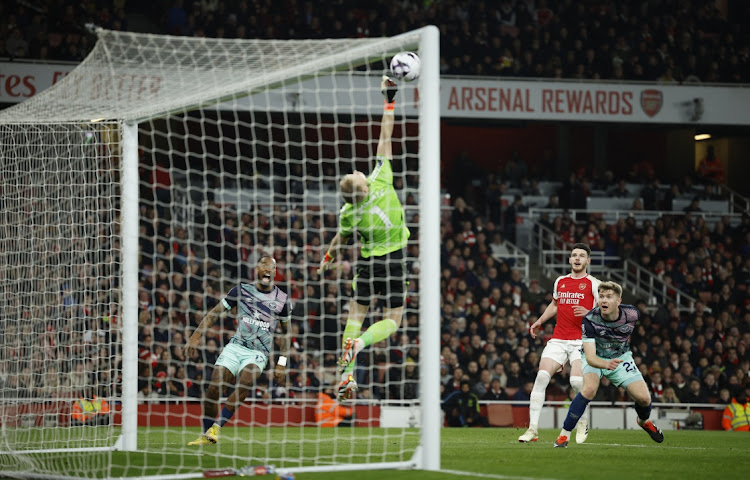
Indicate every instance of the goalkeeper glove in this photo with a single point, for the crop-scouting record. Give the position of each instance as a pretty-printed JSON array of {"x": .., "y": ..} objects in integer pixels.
[
  {"x": 389, "y": 89},
  {"x": 325, "y": 264}
]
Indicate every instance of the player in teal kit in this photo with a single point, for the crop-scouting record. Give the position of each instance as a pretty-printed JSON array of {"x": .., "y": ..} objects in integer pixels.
[
  {"x": 606, "y": 352},
  {"x": 259, "y": 307},
  {"x": 373, "y": 210}
]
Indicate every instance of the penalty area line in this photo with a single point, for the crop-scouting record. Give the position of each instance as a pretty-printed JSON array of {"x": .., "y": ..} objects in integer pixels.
[{"x": 490, "y": 475}]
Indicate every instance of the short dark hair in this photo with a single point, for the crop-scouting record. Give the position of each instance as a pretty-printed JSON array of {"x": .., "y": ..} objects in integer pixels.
[{"x": 582, "y": 246}]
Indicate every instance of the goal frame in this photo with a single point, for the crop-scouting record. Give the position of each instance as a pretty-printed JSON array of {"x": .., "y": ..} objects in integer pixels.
[{"x": 427, "y": 454}]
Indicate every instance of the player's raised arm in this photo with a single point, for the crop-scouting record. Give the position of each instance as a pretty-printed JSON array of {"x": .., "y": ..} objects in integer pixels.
[{"x": 389, "y": 89}]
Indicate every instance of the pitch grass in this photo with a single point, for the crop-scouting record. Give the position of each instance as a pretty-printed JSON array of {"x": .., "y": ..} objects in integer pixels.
[{"x": 492, "y": 453}]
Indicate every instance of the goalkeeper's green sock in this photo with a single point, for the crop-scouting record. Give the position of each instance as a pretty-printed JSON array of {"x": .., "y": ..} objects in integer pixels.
[
  {"x": 353, "y": 329},
  {"x": 379, "y": 331}
]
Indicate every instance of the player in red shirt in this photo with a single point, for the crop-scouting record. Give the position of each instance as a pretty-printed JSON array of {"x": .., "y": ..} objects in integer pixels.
[{"x": 573, "y": 296}]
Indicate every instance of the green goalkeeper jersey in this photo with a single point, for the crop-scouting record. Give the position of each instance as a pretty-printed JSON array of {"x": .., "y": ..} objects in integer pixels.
[{"x": 379, "y": 218}]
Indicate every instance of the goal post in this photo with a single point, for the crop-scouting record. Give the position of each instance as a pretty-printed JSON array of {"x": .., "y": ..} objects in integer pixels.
[
  {"x": 429, "y": 132},
  {"x": 142, "y": 187}
]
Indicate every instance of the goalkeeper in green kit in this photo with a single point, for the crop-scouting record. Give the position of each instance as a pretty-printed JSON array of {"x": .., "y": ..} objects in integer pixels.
[{"x": 372, "y": 210}]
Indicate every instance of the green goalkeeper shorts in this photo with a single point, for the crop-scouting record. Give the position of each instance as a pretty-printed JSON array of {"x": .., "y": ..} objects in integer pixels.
[{"x": 236, "y": 357}]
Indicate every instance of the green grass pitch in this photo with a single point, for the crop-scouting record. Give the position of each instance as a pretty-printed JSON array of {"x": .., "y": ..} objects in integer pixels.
[{"x": 492, "y": 453}]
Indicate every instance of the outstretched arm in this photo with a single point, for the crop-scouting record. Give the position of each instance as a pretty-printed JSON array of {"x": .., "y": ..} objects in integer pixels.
[
  {"x": 333, "y": 252},
  {"x": 388, "y": 88},
  {"x": 336, "y": 243},
  {"x": 210, "y": 319},
  {"x": 386, "y": 130}
]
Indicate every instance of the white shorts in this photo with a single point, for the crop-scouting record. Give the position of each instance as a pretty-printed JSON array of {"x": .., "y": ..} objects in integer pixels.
[{"x": 562, "y": 351}]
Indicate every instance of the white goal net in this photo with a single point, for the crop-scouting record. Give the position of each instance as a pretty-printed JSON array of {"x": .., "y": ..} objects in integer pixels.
[{"x": 137, "y": 192}]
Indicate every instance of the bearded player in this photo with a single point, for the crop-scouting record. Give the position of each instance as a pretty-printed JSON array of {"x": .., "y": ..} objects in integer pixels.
[
  {"x": 260, "y": 306},
  {"x": 573, "y": 296}
]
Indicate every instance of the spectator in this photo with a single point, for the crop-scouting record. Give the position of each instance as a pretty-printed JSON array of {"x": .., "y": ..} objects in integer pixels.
[
  {"x": 523, "y": 394},
  {"x": 484, "y": 384},
  {"x": 176, "y": 18},
  {"x": 462, "y": 408},
  {"x": 669, "y": 396},
  {"x": 695, "y": 393},
  {"x": 711, "y": 386},
  {"x": 737, "y": 413},
  {"x": 694, "y": 206},
  {"x": 329, "y": 413},
  {"x": 16, "y": 46},
  {"x": 90, "y": 409},
  {"x": 711, "y": 168},
  {"x": 510, "y": 217},
  {"x": 410, "y": 380},
  {"x": 656, "y": 386},
  {"x": 495, "y": 392},
  {"x": 621, "y": 190},
  {"x": 515, "y": 170}
]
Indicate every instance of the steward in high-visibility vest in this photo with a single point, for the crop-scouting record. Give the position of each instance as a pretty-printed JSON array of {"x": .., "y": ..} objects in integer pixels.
[
  {"x": 329, "y": 413},
  {"x": 90, "y": 411},
  {"x": 737, "y": 416}
]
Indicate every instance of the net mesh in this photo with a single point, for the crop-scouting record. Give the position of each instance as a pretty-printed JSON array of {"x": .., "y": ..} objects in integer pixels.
[
  {"x": 241, "y": 145},
  {"x": 59, "y": 244},
  {"x": 135, "y": 76}
]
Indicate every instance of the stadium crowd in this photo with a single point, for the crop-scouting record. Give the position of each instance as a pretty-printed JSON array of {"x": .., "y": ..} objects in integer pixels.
[
  {"x": 695, "y": 354},
  {"x": 486, "y": 308},
  {"x": 670, "y": 41},
  {"x": 486, "y": 304}
]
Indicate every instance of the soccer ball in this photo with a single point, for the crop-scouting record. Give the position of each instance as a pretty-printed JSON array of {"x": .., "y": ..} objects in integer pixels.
[{"x": 406, "y": 65}]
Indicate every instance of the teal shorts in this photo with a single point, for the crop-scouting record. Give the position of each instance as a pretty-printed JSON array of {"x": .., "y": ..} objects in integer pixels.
[
  {"x": 236, "y": 357},
  {"x": 622, "y": 376}
]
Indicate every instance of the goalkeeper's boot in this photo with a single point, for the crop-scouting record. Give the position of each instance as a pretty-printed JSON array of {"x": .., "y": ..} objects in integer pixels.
[
  {"x": 561, "y": 442},
  {"x": 531, "y": 435},
  {"x": 346, "y": 388},
  {"x": 582, "y": 430},
  {"x": 653, "y": 431},
  {"x": 389, "y": 89},
  {"x": 351, "y": 348},
  {"x": 211, "y": 437}
]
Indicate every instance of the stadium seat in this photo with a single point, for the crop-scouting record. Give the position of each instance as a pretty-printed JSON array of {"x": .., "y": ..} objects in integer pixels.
[{"x": 500, "y": 414}]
